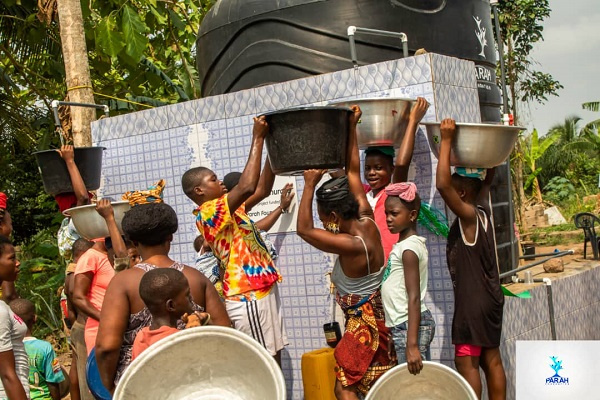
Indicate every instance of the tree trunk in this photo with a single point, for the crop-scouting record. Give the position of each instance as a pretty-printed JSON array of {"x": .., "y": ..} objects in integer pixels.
[
  {"x": 79, "y": 83},
  {"x": 518, "y": 182}
]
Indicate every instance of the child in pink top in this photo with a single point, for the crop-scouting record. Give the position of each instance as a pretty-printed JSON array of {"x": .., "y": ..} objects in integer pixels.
[
  {"x": 380, "y": 170},
  {"x": 92, "y": 276},
  {"x": 166, "y": 294}
]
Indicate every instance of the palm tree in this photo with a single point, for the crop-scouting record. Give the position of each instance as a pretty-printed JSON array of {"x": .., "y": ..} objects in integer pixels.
[{"x": 534, "y": 149}]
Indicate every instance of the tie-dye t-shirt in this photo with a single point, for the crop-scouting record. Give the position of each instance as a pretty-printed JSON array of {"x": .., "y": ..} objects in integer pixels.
[{"x": 249, "y": 270}]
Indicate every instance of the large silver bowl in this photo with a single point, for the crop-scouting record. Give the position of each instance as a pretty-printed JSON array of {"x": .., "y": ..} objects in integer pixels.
[
  {"x": 90, "y": 224},
  {"x": 475, "y": 145},
  {"x": 209, "y": 362},
  {"x": 383, "y": 120},
  {"x": 434, "y": 382}
]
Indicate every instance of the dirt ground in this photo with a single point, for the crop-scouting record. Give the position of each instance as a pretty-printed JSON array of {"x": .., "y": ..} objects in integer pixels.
[{"x": 573, "y": 263}]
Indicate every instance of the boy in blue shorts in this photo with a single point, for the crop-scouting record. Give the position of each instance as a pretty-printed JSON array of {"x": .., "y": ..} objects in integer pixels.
[{"x": 45, "y": 372}]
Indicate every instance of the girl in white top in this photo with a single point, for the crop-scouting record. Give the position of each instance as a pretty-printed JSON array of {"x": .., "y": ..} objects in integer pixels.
[
  {"x": 405, "y": 279},
  {"x": 14, "y": 365}
]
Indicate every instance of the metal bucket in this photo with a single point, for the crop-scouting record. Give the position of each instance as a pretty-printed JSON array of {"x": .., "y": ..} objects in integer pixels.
[
  {"x": 476, "y": 145},
  {"x": 55, "y": 175},
  {"x": 90, "y": 224},
  {"x": 434, "y": 382},
  {"x": 210, "y": 362},
  {"x": 383, "y": 120},
  {"x": 305, "y": 138}
]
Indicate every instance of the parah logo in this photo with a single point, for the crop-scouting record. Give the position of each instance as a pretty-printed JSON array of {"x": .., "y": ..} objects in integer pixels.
[{"x": 556, "y": 379}]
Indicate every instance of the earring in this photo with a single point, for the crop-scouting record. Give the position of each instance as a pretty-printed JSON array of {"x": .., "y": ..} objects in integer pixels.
[{"x": 332, "y": 227}]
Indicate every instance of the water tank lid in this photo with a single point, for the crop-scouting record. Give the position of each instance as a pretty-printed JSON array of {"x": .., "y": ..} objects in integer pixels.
[{"x": 224, "y": 12}]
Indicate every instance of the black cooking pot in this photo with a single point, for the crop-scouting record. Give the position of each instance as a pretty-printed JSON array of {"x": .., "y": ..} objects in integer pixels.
[
  {"x": 306, "y": 138},
  {"x": 55, "y": 175}
]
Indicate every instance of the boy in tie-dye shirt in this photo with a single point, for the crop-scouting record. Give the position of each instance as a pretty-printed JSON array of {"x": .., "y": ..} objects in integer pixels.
[{"x": 249, "y": 275}]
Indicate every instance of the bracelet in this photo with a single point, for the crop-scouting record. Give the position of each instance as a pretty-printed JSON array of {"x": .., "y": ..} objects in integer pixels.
[
  {"x": 207, "y": 320},
  {"x": 282, "y": 210}
]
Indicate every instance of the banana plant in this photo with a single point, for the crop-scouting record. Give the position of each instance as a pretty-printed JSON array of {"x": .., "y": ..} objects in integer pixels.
[{"x": 533, "y": 149}]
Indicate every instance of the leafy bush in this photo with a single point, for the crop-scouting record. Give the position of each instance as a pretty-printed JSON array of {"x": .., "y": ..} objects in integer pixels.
[
  {"x": 559, "y": 189},
  {"x": 42, "y": 273}
]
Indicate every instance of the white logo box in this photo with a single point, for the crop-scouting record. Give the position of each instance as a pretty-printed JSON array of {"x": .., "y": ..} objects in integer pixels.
[{"x": 559, "y": 370}]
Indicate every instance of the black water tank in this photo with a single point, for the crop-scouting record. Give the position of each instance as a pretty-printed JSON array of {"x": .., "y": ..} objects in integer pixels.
[{"x": 249, "y": 43}]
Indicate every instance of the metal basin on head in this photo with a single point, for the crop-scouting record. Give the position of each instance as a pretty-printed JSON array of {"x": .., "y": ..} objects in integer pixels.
[
  {"x": 90, "y": 224},
  {"x": 435, "y": 382},
  {"x": 208, "y": 362},
  {"x": 475, "y": 145},
  {"x": 383, "y": 121}
]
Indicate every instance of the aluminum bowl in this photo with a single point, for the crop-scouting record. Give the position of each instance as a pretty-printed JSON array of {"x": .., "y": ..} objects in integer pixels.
[
  {"x": 90, "y": 224},
  {"x": 434, "y": 382},
  {"x": 475, "y": 145},
  {"x": 209, "y": 362},
  {"x": 383, "y": 120}
]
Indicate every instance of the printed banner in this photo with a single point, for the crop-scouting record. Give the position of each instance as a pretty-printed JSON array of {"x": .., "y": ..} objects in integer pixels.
[{"x": 557, "y": 370}]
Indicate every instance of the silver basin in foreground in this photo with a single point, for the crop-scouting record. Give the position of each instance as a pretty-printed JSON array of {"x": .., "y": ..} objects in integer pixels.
[
  {"x": 90, "y": 224},
  {"x": 383, "y": 120},
  {"x": 434, "y": 382},
  {"x": 475, "y": 145},
  {"x": 208, "y": 362}
]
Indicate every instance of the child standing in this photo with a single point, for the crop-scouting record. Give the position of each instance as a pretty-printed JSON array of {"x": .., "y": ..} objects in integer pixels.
[
  {"x": 250, "y": 277},
  {"x": 405, "y": 280},
  {"x": 166, "y": 293},
  {"x": 14, "y": 366},
  {"x": 44, "y": 369},
  {"x": 381, "y": 169},
  {"x": 471, "y": 254}
]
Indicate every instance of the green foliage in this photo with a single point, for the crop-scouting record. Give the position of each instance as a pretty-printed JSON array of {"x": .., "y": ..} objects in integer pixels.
[
  {"x": 42, "y": 273},
  {"x": 521, "y": 28},
  {"x": 534, "y": 149},
  {"x": 559, "y": 189}
]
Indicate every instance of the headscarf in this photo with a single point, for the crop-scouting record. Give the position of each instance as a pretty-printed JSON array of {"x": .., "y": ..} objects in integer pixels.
[
  {"x": 65, "y": 201},
  {"x": 405, "y": 190},
  {"x": 152, "y": 195},
  {"x": 335, "y": 189},
  {"x": 478, "y": 173},
  {"x": 385, "y": 150},
  {"x": 3, "y": 204},
  {"x": 3, "y": 201}
]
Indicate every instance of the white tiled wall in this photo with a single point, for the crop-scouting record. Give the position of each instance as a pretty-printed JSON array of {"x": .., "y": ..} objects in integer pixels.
[{"x": 215, "y": 132}]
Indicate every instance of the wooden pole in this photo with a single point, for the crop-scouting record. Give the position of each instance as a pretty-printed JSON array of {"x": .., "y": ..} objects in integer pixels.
[{"x": 78, "y": 80}]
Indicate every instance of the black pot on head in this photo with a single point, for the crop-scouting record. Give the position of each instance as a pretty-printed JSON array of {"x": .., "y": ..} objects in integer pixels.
[
  {"x": 55, "y": 175},
  {"x": 307, "y": 138}
]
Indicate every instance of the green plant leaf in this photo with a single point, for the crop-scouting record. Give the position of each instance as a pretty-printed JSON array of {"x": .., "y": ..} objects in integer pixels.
[
  {"x": 134, "y": 31},
  {"x": 108, "y": 37}
]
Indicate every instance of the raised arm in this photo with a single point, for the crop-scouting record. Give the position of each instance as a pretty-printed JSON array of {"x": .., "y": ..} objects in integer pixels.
[
  {"x": 443, "y": 180},
  {"x": 104, "y": 208},
  {"x": 320, "y": 238},
  {"x": 264, "y": 187},
  {"x": 405, "y": 153},
  {"x": 251, "y": 174},
  {"x": 284, "y": 204},
  {"x": 353, "y": 167},
  {"x": 67, "y": 153}
]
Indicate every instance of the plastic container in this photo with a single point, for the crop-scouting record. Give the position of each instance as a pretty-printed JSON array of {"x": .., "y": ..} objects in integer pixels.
[
  {"x": 305, "y": 138},
  {"x": 318, "y": 374},
  {"x": 208, "y": 362},
  {"x": 93, "y": 378},
  {"x": 55, "y": 175}
]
